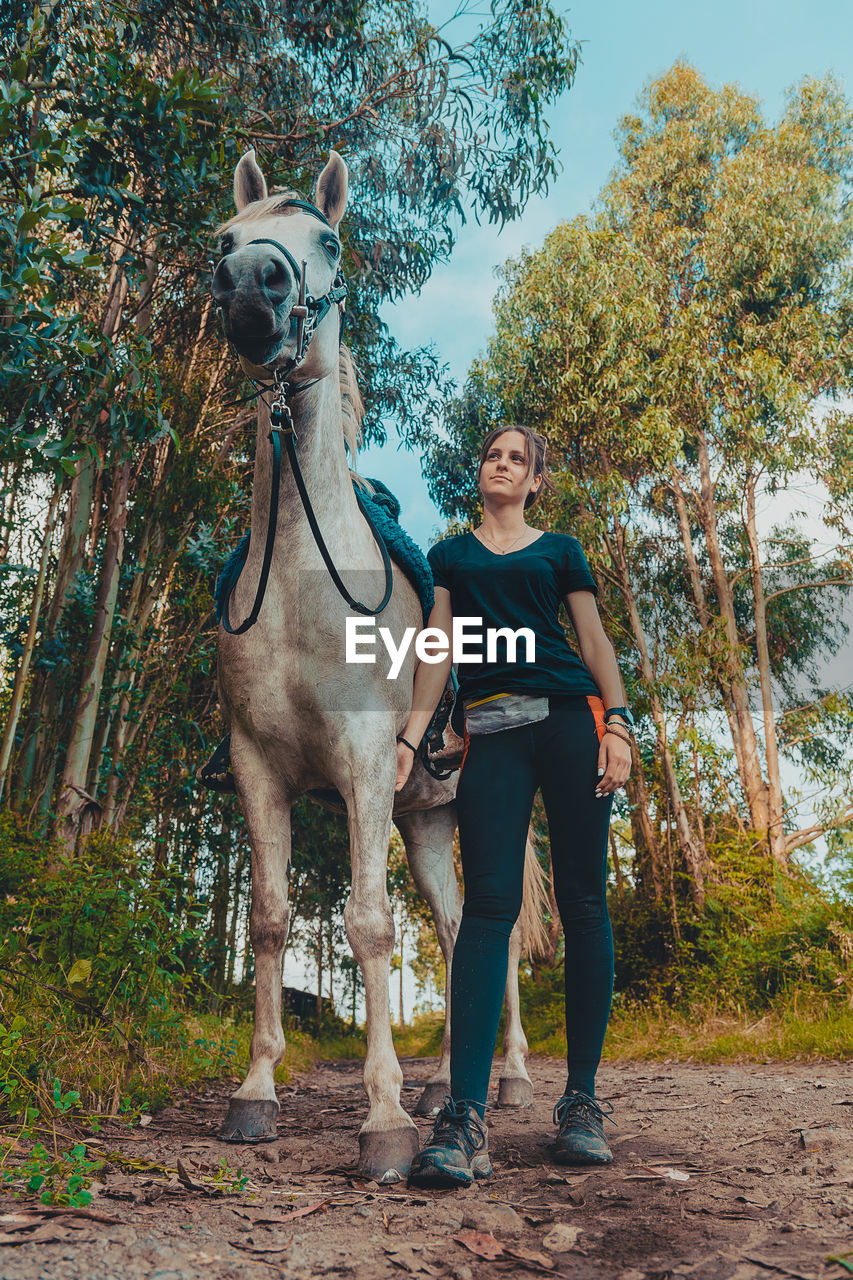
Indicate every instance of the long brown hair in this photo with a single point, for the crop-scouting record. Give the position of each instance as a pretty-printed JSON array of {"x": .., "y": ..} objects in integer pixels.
[{"x": 535, "y": 448}]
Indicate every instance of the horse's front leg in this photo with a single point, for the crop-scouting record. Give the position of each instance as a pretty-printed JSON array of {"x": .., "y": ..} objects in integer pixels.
[
  {"x": 515, "y": 1088},
  {"x": 253, "y": 1109},
  {"x": 388, "y": 1139},
  {"x": 428, "y": 837}
]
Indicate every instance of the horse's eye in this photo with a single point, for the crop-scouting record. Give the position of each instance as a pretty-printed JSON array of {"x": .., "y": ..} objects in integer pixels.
[
  {"x": 332, "y": 246},
  {"x": 226, "y": 244}
]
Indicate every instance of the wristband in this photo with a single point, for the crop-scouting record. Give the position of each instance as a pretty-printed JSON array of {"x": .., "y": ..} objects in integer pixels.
[
  {"x": 624, "y": 737},
  {"x": 413, "y": 750}
]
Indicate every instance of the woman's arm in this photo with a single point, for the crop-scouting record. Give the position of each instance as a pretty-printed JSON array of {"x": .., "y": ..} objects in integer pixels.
[
  {"x": 430, "y": 680},
  {"x": 614, "y": 760}
]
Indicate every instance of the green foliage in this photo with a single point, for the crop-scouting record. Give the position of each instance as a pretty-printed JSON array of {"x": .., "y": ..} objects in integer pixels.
[
  {"x": 100, "y": 931},
  {"x": 229, "y": 1181},
  {"x": 766, "y": 969},
  {"x": 61, "y": 1178}
]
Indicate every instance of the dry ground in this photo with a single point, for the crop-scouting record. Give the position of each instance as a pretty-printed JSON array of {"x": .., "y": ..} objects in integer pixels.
[{"x": 720, "y": 1173}]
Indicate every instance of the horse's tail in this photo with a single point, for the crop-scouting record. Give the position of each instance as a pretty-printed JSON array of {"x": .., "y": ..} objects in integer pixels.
[{"x": 534, "y": 902}]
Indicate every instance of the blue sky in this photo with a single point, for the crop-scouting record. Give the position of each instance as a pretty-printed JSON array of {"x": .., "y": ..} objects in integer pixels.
[{"x": 765, "y": 46}]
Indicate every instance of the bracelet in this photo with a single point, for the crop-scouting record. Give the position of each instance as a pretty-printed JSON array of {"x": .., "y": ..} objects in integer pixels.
[
  {"x": 400, "y": 738},
  {"x": 616, "y": 734}
]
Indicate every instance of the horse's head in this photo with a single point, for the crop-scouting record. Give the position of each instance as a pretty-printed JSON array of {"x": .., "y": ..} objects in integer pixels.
[{"x": 256, "y": 284}]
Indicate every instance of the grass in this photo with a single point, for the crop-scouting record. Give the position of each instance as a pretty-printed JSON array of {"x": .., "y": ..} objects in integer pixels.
[{"x": 804, "y": 1026}]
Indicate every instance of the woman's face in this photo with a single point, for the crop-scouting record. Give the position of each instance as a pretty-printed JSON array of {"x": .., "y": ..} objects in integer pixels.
[{"x": 503, "y": 475}]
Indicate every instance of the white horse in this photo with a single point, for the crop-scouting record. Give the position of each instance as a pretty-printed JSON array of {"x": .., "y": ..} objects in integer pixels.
[{"x": 302, "y": 718}]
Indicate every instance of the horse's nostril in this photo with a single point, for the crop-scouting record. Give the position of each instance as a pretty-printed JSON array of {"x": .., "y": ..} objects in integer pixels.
[
  {"x": 222, "y": 284},
  {"x": 275, "y": 280}
]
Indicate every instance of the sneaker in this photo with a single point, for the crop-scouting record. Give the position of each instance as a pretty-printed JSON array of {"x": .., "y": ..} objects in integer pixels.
[
  {"x": 581, "y": 1137},
  {"x": 457, "y": 1150}
]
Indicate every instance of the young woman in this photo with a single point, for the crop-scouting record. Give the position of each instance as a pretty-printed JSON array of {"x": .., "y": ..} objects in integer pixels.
[{"x": 543, "y": 718}]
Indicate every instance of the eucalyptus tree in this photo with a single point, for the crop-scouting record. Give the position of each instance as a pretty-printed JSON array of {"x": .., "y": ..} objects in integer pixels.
[
  {"x": 116, "y": 397},
  {"x": 687, "y": 350},
  {"x": 749, "y": 227}
]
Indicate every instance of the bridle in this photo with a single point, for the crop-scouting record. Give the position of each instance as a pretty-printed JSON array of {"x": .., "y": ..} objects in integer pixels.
[{"x": 309, "y": 313}]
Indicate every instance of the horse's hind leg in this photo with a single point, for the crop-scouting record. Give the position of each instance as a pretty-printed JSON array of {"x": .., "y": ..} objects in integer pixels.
[
  {"x": 428, "y": 837},
  {"x": 388, "y": 1139},
  {"x": 253, "y": 1110},
  {"x": 515, "y": 1088}
]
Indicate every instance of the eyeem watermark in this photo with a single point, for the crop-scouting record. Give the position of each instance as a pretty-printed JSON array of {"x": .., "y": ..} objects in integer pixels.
[{"x": 432, "y": 644}]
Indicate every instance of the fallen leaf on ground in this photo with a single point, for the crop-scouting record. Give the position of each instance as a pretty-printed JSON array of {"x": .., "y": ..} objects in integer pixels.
[
  {"x": 47, "y": 1233},
  {"x": 561, "y": 1238},
  {"x": 404, "y": 1255},
  {"x": 305, "y": 1210},
  {"x": 570, "y": 1179},
  {"x": 777, "y": 1266},
  {"x": 675, "y": 1175},
  {"x": 46, "y": 1211},
  {"x": 261, "y": 1246},
  {"x": 19, "y": 1221},
  {"x": 483, "y": 1243},
  {"x": 186, "y": 1179},
  {"x": 530, "y": 1255}
]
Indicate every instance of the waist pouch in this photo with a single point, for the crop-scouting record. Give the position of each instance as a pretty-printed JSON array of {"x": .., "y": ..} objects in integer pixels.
[{"x": 504, "y": 711}]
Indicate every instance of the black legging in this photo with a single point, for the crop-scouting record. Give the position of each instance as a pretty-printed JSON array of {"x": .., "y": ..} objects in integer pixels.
[{"x": 500, "y": 774}]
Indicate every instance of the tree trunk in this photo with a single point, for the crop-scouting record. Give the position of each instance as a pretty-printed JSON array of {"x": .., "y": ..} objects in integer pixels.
[
  {"x": 150, "y": 712},
  {"x": 757, "y": 796},
  {"x": 402, "y": 945},
  {"x": 29, "y": 644},
  {"x": 83, "y": 722},
  {"x": 235, "y": 911},
  {"x": 776, "y": 834},
  {"x": 617, "y": 869},
  {"x": 219, "y": 906},
  {"x": 706, "y": 621},
  {"x": 646, "y": 841},
  {"x": 692, "y": 853},
  {"x": 320, "y": 949}
]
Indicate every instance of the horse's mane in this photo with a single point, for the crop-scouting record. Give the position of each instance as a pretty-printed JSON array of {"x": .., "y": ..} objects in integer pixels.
[{"x": 352, "y": 405}]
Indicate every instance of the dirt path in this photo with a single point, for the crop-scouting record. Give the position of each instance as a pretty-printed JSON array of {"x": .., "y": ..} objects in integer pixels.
[{"x": 762, "y": 1158}]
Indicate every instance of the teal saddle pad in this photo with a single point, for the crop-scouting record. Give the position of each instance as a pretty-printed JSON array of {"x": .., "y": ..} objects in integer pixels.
[{"x": 384, "y": 510}]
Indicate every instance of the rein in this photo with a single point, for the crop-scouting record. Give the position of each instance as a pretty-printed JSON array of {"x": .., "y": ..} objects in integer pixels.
[
  {"x": 309, "y": 313},
  {"x": 281, "y": 424}
]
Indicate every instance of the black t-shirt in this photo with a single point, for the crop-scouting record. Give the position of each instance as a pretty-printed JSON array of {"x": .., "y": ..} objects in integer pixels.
[{"x": 523, "y": 588}]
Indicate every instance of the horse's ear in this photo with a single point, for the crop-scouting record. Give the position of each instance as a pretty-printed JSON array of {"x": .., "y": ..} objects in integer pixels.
[
  {"x": 249, "y": 183},
  {"x": 330, "y": 194}
]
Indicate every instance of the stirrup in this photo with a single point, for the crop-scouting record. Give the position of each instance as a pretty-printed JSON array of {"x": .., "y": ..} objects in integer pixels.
[{"x": 216, "y": 774}]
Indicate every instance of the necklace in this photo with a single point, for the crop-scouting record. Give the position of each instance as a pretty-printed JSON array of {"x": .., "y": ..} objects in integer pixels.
[{"x": 502, "y": 551}]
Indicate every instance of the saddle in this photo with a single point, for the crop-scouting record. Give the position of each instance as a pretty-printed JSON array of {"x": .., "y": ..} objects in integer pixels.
[{"x": 440, "y": 751}]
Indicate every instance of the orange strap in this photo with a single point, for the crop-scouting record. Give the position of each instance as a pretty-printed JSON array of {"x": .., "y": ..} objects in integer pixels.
[
  {"x": 596, "y": 706},
  {"x": 465, "y": 752}
]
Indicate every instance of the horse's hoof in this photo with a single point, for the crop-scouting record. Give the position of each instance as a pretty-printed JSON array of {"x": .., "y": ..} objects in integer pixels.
[
  {"x": 430, "y": 1101},
  {"x": 515, "y": 1091},
  {"x": 250, "y": 1120},
  {"x": 386, "y": 1156}
]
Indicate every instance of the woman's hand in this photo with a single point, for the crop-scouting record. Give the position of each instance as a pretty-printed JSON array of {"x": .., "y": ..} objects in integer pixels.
[
  {"x": 405, "y": 760},
  {"x": 614, "y": 764}
]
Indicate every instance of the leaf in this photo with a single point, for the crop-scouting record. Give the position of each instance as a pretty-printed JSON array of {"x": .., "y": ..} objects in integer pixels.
[
  {"x": 530, "y": 1255},
  {"x": 483, "y": 1243},
  {"x": 80, "y": 975},
  {"x": 186, "y": 1179},
  {"x": 19, "y": 1221},
  {"x": 262, "y": 1246},
  {"x": 404, "y": 1256},
  {"x": 305, "y": 1210}
]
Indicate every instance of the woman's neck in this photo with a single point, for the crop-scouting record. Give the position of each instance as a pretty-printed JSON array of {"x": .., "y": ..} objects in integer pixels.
[{"x": 504, "y": 523}]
